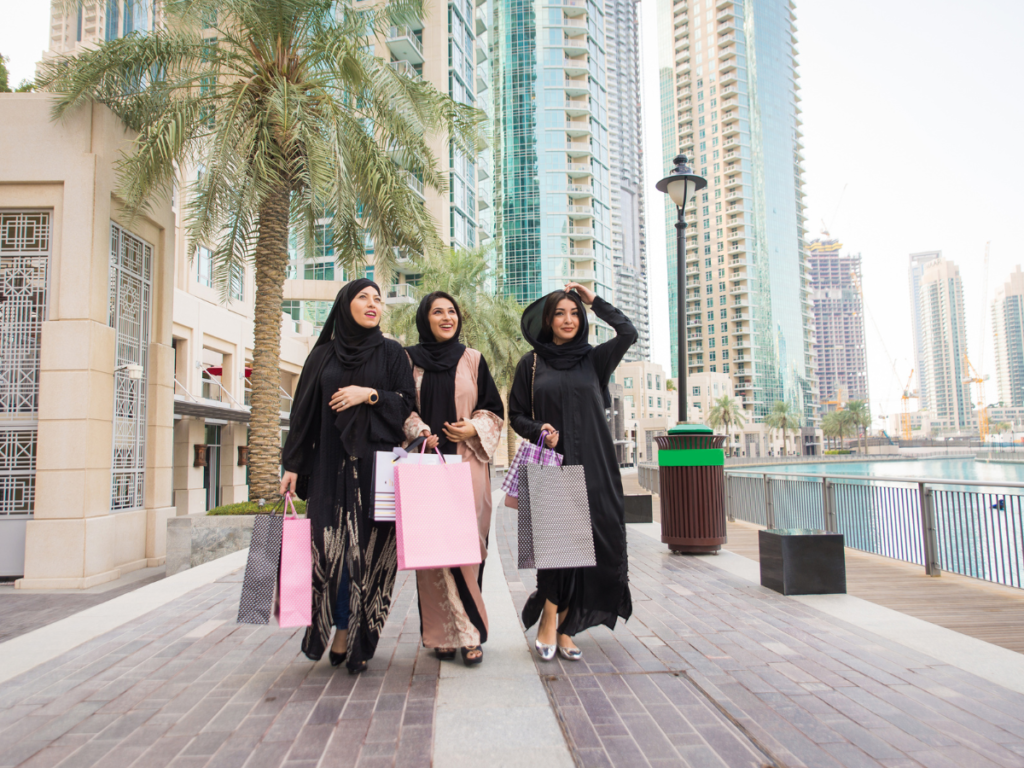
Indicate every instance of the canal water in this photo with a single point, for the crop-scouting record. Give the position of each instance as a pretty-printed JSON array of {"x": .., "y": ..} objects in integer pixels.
[{"x": 930, "y": 469}]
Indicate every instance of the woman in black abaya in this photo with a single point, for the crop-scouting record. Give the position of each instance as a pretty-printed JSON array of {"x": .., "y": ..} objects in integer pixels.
[
  {"x": 354, "y": 395},
  {"x": 562, "y": 388}
]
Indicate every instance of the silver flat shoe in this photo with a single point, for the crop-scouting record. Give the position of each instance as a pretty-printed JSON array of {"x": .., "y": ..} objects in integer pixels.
[
  {"x": 570, "y": 654},
  {"x": 546, "y": 652}
]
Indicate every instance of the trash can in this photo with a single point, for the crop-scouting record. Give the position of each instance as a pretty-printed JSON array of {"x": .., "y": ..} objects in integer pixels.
[{"x": 691, "y": 464}]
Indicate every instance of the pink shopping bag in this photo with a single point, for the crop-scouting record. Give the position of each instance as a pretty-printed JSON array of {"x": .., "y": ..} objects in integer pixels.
[
  {"x": 435, "y": 520},
  {"x": 295, "y": 585}
]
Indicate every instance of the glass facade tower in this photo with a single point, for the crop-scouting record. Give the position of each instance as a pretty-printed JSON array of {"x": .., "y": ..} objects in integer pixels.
[
  {"x": 551, "y": 155},
  {"x": 730, "y": 102}
]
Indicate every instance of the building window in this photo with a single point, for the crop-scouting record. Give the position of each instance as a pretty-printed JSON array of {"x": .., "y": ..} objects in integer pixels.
[
  {"x": 657, "y": 381},
  {"x": 649, "y": 381},
  {"x": 627, "y": 382},
  {"x": 696, "y": 390},
  {"x": 650, "y": 402},
  {"x": 205, "y": 267}
]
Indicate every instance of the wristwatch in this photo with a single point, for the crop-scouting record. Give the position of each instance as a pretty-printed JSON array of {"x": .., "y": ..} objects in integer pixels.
[{"x": 374, "y": 397}]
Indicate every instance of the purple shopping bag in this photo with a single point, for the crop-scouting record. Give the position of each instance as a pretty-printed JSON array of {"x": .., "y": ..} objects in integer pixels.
[
  {"x": 295, "y": 584},
  {"x": 528, "y": 453}
]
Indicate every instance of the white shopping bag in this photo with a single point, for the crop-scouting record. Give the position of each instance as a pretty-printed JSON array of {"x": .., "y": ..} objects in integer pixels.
[{"x": 384, "y": 463}]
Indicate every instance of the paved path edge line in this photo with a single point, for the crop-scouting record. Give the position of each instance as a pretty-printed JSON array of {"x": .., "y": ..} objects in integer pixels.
[
  {"x": 990, "y": 662},
  {"x": 25, "y": 652}
]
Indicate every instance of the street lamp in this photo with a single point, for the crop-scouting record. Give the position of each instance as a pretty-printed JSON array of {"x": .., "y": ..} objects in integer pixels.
[{"x": 681, "y": 185}]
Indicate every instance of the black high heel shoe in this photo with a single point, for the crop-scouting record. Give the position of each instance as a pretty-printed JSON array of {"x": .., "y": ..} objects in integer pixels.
[{"x": 337, "y": 659}]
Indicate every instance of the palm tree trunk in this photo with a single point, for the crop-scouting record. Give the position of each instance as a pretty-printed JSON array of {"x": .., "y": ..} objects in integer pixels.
[{"x": 265, "y": 422}]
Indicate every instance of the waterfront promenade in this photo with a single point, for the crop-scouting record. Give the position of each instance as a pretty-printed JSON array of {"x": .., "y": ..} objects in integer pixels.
[{"x": 712, "y": 670}]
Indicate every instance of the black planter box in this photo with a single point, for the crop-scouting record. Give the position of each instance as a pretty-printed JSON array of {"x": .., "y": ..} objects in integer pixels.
[
  {"x": 639, "y": 509},
  {"x": 802, "y": 561}
]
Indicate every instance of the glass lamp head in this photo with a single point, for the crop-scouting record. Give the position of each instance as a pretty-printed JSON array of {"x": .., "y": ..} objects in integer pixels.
[{"x": 682, "y": 183}]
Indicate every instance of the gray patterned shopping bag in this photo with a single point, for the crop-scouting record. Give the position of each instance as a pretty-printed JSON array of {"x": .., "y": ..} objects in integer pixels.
[
  {"x": 559, "y": 516},
  {"x": 525, "y": 526},
  {"x": 259, "y": 585}
]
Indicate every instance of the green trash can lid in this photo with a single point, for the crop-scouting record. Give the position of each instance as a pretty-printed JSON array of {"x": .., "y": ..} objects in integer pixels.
[{"x": 690, "y": 429}]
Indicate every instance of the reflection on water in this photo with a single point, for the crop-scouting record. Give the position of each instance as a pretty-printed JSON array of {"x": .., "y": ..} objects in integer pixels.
[{"x": 933, "y": 469}]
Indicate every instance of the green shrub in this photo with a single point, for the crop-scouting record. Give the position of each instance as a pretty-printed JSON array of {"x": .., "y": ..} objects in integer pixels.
[
  {"x": 250, "y": 508},
  {"x": 838, "y": 452}
]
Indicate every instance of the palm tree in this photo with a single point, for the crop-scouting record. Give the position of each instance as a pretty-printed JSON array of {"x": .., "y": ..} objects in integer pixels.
[
  {"x": 837, "y": 424},
  {"x": 291, "y": 120},
  {"x": 726, "y": 413},
  {"x": 785, "y": 417},
  {"x": 860, "y": 416},
  {"x": 490, "y": 318}
]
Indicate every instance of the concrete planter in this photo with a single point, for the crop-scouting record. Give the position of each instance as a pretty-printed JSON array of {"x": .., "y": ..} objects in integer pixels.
[{"x": 196, "y": 539}]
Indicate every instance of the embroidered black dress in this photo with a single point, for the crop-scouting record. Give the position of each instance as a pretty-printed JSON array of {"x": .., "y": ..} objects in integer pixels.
[
  {"x": 573, "y": 402},
  {"x": 340, "y": 497}
]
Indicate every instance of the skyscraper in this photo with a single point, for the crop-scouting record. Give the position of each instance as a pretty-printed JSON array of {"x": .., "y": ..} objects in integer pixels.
[
  {"x": 1008, "y": 340},
  {"x": 840, "y": 356},
  {"x": 625, "y": 147},
  {"x": 730, "y": 102},
  {"x": 552, "y": 192},
  {"x": 944, "y": 344},
  {"x": 918, "y": 263}
]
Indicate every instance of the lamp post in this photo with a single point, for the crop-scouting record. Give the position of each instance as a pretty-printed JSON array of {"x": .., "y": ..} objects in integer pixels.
[{"x": 681, "y": 185}]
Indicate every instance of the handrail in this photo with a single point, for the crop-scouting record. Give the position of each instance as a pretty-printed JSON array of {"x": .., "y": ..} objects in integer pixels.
[
  {"x": 875, "y": 478},
  {"x": 214, "y": 381},
  {"x": 194, "y": 399}
]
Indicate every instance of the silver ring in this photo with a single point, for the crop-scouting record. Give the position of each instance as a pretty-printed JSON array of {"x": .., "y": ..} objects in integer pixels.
[{"x": 344, "y": 403}]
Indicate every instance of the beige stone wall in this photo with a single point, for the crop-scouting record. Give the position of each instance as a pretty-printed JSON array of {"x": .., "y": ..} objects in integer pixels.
[{"x": 67, "y": 167}]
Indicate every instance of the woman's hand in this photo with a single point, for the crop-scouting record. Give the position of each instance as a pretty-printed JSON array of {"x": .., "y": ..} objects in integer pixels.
[
  {"x": 288, "y": 483},
  {"x": 460, "y": 431},
  {"x": 349, "y": 396},
  {"x": 586, "y": 295},
  {"x": 431, "y": 441},
  {"x": 551, "y": 438}
]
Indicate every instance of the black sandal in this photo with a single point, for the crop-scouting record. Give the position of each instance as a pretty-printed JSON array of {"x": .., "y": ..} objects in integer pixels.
[
  {"x": 337, "y": 659},
  {"x": 474, "y": 661},
  {"x": 355, "y": 669},
  {"x": 445, "y": 655}
]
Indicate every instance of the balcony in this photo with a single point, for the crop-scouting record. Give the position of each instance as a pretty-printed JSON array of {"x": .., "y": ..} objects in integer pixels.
[
  {"x": 405, "y": 68},
  {"x": 580, "y": 190},
  {"x": 575, "y": 25},
  {"x": 583, "y": 275},
  {"x": 414, "y": 184},
  {"x": 578, "y": 169},
  {"x": 404, "y": 44},
  {"x": 580, "y": 211},
  {"x": 577, "y": 149},
  {"x": 581, "y": 253},
  {"x": 573, "y": 8},
  {"x": 577, "y": 107},
  {"x": 578, "y": 127},
  {"x": 576, "y": 86},
  {"x": 400, "y": 293},
  {"x": 574, "y": 45},
  {"x": 576, "y": 66}
]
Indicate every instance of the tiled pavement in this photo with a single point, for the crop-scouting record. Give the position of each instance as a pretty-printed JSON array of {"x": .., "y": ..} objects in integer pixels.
[
  {"x": 185, "y": 687},
  {"x": 712, "y": 670}
]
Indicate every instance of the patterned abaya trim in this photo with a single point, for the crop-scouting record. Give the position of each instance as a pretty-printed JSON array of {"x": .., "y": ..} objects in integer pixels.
[
  {"x": 459, "y": 631},
  {"x": 488, "y": 434}
]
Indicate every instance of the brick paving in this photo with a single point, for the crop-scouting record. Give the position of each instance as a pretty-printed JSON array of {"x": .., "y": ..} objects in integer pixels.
[
  {"x": 23, "y": 611},
  {"x": 712, "y": 670},
  {"x": 184, "y": 687}
]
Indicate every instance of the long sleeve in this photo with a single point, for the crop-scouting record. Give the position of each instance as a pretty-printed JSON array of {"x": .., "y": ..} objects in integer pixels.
[
  {"x": 415, "y": 425},
  {"x": 488, "y": 416},
  {"x": 607, "y": 356},
  {"x": 304, "y": 418},
  {"x": 388, "y": 415},
  {"x": 520, "y": 401}
]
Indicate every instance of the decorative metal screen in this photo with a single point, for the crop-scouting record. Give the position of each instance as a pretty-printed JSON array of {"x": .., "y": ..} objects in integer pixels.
[
  {"x": 130, "y": 290},
  {"x": 24, "y": 263}
]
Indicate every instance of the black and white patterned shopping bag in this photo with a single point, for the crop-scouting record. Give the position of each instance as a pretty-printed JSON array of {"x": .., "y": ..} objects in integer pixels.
[
  {"x": 259, "y": 586},
  {"x": 559, "y": 517},
  {"x": 525, "y": 524}
]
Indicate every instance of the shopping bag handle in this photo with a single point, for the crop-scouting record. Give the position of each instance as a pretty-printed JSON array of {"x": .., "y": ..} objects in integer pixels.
[
  {"x": 423, "y": 449},
  {"x": 290, "y": 503}
]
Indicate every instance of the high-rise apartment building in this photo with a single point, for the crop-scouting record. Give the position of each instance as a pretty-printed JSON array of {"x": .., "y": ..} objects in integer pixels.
[
  {"x": 1008, "y": 340},
  {"x": 625, "y": 147},
  {"x": 918, "y": 263},
  {"x": 730, "y": 102},
  {"x": 553, "y": 195},
  {"x": 840, "y": 355},
  {"x": 944, "y": 345}
]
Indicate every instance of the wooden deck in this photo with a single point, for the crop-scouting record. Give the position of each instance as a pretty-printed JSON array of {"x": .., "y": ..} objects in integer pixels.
[{"x": 989, "y": 612}]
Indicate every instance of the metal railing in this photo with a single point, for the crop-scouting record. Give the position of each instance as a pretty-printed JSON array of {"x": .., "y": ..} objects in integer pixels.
[{"x": 969, "y": 527}]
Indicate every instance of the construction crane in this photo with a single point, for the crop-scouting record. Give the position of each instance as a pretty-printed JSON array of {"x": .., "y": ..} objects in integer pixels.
[
  {"x": 905, "y": 428},
  {"x": 973, "y": 377},
  {"x": 839, "y": 402}
]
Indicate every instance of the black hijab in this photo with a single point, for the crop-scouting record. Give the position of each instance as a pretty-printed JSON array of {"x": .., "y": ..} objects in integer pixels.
[
  {"x": 355, "y": 348},
  {"x": 353, "y": 344},
  {"x": 561, "y": 357},
  {"x": 439, "y": 360}
]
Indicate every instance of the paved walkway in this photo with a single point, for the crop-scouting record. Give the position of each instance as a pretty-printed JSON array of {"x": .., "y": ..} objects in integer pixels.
[{"x": 712, "y": 670}]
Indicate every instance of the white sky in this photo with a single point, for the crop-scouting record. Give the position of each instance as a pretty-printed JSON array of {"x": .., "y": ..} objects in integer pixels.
[{"x": 912, "y": 108}]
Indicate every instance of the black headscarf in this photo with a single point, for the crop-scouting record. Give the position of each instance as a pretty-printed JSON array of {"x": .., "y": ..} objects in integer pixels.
[
  {"x": 561, "y": 357},
  {"x": 353, "y": 344},
  {"x": 439, "y": 360},
  {"x": 355, "y": 348}
]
